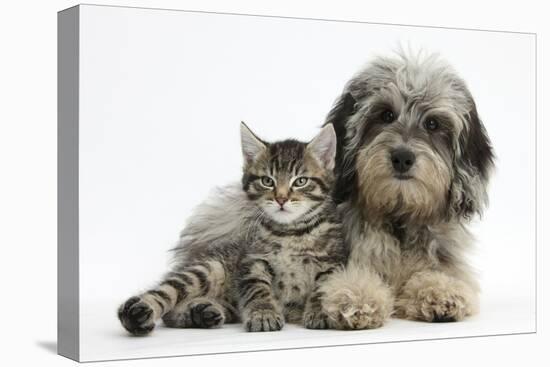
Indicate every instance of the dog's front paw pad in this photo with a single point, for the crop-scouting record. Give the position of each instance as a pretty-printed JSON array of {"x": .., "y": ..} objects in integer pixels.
[
  {"x": 436, "y": 297},
  {"x": 365, "y": 316},
  {"x": 264, "y": 320},
  {"x": 440, "y": 306},
  {"x": 136, "y": 316},
  {"x": 316, "y": 320}
]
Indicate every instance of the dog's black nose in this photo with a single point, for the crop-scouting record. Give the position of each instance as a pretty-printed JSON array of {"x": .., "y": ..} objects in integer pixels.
[{"x": 402, "y": 160}]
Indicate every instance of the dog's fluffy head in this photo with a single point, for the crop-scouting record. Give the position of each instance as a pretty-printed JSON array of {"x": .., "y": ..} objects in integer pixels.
[{"x": 411, "y": 145}]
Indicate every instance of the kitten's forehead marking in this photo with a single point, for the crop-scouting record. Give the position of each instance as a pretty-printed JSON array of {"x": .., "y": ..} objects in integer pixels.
[{"x": 286, "y": 158}]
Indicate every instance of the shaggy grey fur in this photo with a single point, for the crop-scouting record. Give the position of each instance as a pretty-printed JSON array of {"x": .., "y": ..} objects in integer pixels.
[{"x": 414, "y": 162}]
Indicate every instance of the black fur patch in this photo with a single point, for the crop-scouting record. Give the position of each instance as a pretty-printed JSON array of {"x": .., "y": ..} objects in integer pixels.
[
  {"x": 344, "y": 107},
  {"x": 477, "y": 158},
  {"x": 475, "y": 145}
]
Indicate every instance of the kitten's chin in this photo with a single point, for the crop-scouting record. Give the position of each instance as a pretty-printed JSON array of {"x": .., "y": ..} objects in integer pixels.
[{"x": 283, "y": 216}]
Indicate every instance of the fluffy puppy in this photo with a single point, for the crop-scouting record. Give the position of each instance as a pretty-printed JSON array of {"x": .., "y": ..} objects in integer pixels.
[{"x": 413, "y": 165}]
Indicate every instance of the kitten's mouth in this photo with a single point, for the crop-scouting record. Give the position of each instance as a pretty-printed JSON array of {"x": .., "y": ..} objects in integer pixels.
[{"x": 283, "y": 210}]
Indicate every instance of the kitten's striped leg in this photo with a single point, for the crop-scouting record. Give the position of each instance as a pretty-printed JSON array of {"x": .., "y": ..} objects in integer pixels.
[
  {"x": 139, "y": 314},
  {"x": 314, "y": 315},
  {"x": 260, "y": 311},
  {"x": 201, "y": 312}
]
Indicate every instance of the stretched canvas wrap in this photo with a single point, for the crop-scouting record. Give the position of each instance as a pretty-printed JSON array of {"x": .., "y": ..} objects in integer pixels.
[{"x": 424, "y": 173}]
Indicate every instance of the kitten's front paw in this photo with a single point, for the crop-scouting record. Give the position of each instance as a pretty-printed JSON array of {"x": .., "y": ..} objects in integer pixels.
[
  {"x": 316, "y": 320},
  {"x": 136, "y": 316},
  {"x": 206, "y": 314},
  {"x": 435, "y": 297},
  {"x": 264, "y": 320}
]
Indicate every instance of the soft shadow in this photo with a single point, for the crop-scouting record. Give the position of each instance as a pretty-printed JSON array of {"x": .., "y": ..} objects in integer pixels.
[{"x": 50, "y": 346}]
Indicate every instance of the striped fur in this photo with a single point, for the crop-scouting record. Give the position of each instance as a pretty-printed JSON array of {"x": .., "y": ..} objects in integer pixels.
[
  {"x": 233, "y": 248},
  {"x": 299, "y": 239}
]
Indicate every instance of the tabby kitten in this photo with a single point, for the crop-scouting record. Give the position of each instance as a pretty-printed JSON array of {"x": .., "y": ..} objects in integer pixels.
[
  {"x": 298, "y": 240},
  {"x": 263, "y": 245}
]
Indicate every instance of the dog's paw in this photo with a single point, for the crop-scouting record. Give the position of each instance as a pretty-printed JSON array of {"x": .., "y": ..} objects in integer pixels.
[
  {"x": 136, "y": 316},
  {"x": 353, "y": 316},
  {"x": 206, "y": 314},
  {"x": 433, "y": 305},
  {"x": 316, "y": 320},
  {"x": 356, "y": 298},
  {"x": 264, "y": 320},
  {"x": 435, "y": 297}
]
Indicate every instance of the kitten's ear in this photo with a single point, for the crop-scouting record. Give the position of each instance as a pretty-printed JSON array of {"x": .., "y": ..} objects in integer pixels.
[
  {"x": 323, "y": 147},
  {"x": 250, "y": 144}
]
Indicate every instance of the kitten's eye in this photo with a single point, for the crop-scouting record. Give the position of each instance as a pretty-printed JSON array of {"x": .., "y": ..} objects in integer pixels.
[
  {"x": 300, "y": 182},
  {"x": 267, "y": 181},
  {"x": 388, "y": 116},
  {"x": 431, "y": 124}
]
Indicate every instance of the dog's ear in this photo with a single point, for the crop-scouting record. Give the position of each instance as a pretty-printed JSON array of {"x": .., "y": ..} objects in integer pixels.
[
  {"x": 343, "y": 108},
  {"x": 474, "y": 162},
  {"x": 476, "y": 146}
]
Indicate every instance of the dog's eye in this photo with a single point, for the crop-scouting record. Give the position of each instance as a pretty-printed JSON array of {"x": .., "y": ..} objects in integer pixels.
[
  {"x": 300, "y": 182},
  {"x": 388, "y": 116},
  {"x": 267, "y": 181},
  {"x": 431, "y": 124}
]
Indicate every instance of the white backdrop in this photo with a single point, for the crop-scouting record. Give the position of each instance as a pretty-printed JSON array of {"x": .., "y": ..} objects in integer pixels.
[
  {"x": 162, "y": 94},
  {"x": 28, "y": 192}
]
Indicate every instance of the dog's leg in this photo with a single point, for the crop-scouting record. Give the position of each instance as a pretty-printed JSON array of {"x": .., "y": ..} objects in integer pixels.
[
  {"x": 356, "y": 298},
  {"x": 435, "y": 296}
]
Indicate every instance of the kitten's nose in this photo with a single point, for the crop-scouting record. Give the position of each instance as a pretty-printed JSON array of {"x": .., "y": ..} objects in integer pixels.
[{"x": 281, "y": 200}]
